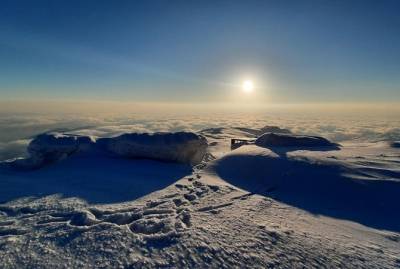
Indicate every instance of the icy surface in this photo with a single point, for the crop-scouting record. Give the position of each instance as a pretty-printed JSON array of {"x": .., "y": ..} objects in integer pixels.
[{"x": 254, "y": 207}]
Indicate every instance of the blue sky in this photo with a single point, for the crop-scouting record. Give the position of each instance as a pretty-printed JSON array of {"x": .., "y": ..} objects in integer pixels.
[{"x": 188, "y": 51}]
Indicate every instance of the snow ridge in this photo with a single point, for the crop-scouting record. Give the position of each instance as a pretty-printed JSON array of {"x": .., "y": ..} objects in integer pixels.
[{"x": 181, "y": 147}]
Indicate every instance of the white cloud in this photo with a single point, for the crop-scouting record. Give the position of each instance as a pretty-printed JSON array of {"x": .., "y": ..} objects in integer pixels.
[{"x": 16, "y": 130}]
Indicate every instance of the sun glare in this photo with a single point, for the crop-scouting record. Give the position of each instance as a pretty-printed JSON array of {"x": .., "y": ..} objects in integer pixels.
[{"x": 247, "y": 86}]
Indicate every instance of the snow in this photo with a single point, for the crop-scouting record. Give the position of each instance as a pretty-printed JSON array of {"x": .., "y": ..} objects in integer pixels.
[
  {"x": 299, "y": 202},
  {"x": 182, "y": 147},
  {"x": 330, "y": 182},
  {"x": 96, "y": 179},
  {"x": 51, "y": 147},
  {"x": 291, "y": 140}
]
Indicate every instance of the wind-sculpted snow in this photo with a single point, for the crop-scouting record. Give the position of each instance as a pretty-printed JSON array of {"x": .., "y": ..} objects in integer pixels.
[
  {"x": 291, "y": 140},
  {"x": 339, "y": 183},
  {"x": 181, "y": 147},
  {"x": 198, "y": 222},
  {"x": 302, "y": 204},
  {"x": 48, "y": 148}
]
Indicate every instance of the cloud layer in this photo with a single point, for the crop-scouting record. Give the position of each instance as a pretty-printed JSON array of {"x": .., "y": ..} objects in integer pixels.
[{"x": 17, "y": 130}]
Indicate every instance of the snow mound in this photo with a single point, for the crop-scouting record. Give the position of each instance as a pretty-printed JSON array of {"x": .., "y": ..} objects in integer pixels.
[
  {"x": 51, "y": 147},
  {"x": 291, "y": 140},
  {"x": 181, "y": 147}
]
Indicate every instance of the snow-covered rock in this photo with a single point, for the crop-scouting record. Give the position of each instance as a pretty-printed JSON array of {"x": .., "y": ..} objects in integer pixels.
[
  {"x": 51, "y": 147},
  {"x": 181, "y": 147},
  {"x": 291, "y": 140}
]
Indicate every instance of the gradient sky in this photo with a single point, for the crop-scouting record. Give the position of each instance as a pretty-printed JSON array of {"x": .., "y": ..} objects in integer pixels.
[{"x": 295, "y": 51}]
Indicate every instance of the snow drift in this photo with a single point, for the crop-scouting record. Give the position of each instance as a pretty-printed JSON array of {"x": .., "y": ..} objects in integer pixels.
[
  {"x": 335, "y": 183},
  {"x": 51, "y": 147},
  {"x": 291, "y": 140},
  {"x": 200, "y": 217},
  {"x": 180, "y": 147}
]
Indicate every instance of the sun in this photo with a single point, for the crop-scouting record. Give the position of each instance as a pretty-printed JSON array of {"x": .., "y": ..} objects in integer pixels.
[{"x": 247, "y": 86}]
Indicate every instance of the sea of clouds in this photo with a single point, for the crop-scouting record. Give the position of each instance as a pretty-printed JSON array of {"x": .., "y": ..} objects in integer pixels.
[{"x": 17, "y": 130}]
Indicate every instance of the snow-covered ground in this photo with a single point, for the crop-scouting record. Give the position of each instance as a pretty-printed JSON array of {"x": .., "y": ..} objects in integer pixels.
[{"x": 280, "y": 205}]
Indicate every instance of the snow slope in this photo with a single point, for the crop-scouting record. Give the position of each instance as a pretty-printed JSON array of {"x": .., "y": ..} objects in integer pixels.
[
  {"x": 254, "y": 207},
  {"x": 336, "y": 183}
]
